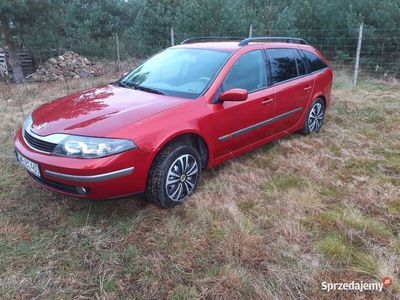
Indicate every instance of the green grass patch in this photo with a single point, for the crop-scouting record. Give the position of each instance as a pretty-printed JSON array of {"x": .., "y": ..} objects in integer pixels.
[
  {"x": 361, "y": 166},
  {"x": 339, "y": 115},
  {"x": 335, "y": 149},
  {"x": 266, "y": 156},
  {"x": 183, "y": 292},
  {"x": 371, "y": 133},
  {"x": 78, "y": 218},
  {"x": 331, "y": 191},
  {"x": 371, "y": 115},
  {"x": 365, "y": 264},
  {"x": 247, "y": 206},
  {"x": 336, "y": 247},
  {"x": 339, "y": 250},
  {"x": 110, "y": 285},
  {"x": 346, "y": 218},
  {"x": 284, "y": 183},
  {"x": 396, "y": 247},
  {"x": 394, "y": 207},
  {"x": 24, "y": 255},
  {"x": 130, "y": 254}
]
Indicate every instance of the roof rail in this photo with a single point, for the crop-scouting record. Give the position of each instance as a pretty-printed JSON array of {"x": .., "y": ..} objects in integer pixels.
[
  {"x": 211, "y": 38},
  {"x": 273, "y": 39}
]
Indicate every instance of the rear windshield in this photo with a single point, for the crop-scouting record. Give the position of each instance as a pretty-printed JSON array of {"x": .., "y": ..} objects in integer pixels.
[{"x": 178, "y": 72}]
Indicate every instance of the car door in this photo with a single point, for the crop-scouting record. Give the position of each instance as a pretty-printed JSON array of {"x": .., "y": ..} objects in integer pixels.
[
  {"x": 237, "y": 124},
  {"x": 293, "y": 86}
]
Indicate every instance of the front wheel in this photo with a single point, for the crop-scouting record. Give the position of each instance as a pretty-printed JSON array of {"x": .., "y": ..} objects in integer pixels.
[
  {"x": 174, "y": 175},
  {"x": 315, "y": 117}
]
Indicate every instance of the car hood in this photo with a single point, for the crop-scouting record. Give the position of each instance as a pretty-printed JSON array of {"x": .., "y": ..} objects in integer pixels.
[{"x": 99, "y": 111}]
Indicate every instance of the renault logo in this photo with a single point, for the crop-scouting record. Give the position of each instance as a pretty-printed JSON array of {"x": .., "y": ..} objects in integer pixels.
[{"x": 40, "y": 126}]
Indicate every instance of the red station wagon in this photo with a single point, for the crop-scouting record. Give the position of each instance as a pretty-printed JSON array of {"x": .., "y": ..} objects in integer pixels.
[{"x": 188, "y": 108}]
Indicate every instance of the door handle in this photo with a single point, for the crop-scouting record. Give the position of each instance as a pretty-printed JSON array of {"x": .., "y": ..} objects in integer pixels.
[
  {"x": 266, "y": 101},
  {"x": 307, "y": 88}
]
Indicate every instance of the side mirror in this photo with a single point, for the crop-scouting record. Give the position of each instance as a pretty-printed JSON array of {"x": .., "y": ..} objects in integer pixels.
[
  {"x": 124, "y": 74},
  {"x": 234, "y": 95}
]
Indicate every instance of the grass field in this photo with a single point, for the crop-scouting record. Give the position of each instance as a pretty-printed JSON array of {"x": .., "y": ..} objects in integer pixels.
[{"x": 273, "y": 223}]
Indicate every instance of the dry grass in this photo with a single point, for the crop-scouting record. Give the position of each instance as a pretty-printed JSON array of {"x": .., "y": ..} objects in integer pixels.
[{"x": 273, "y": 223}]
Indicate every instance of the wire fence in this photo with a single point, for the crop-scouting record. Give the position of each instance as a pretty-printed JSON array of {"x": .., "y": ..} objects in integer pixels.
[{"x": 379, "y": 53}]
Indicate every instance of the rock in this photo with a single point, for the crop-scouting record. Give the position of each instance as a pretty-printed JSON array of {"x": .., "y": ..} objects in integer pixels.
[
  {"x": 69, "y": 65},
  {"x": 52, "y": 70},
  {"x": 85, "y": 74}
]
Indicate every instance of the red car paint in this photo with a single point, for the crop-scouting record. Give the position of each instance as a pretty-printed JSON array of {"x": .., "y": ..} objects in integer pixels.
[{"x": 152, "y": 120}]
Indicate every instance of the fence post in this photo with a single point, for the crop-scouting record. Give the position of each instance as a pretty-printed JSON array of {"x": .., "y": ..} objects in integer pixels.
[
  {"x": 66, "y": 84},
  {"x": 117, "y": 46},
  {"x": 357, "y": 64},
  {"x": 251, "y": 31},
  {"x": 172, "y": 37}
]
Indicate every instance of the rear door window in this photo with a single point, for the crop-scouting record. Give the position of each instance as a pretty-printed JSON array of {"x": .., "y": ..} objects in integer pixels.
[
  {"x": 248, "y": 72},
  {"x": 283, "y": 65},
  {"x": 314, "y": 62}
]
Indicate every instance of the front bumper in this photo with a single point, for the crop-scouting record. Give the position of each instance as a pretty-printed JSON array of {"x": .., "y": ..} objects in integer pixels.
[{"x": 100, "y": 178}]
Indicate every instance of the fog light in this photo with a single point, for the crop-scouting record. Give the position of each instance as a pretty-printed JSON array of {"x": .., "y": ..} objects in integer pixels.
[{"x": 81, "y": 190}]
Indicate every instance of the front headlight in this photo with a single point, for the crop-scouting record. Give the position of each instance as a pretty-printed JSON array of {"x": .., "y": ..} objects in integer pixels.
[{"x": 90, "y": 147}]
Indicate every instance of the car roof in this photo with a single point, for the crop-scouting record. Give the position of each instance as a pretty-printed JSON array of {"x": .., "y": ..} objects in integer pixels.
[{"x": 234, "y": 46}]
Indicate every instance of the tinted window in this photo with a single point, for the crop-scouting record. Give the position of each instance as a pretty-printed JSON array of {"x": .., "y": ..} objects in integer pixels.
[
  {"x": 283, "y": 65},
  {"x": 248, "y": 72},
  {"x": 301, "y": 64},
  {"x": 314, "y": 61}
]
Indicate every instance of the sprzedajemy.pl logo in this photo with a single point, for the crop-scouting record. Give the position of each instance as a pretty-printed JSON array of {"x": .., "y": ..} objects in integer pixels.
[{"x": 359, "y": 286}]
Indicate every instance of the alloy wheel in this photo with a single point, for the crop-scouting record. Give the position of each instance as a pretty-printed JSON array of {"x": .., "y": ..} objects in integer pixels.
[
  {"x": 182, "y": 177},
  {"x": 315, "y": 117}
]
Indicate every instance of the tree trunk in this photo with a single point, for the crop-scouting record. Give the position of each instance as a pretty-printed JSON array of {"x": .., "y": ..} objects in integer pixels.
[{"x": 13, "y": 58}]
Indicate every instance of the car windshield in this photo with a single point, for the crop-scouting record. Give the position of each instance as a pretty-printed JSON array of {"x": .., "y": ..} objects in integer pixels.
[{"x": 177, "y": 72}]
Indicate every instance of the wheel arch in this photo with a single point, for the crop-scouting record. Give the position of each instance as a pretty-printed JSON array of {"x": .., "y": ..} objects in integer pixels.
[
  {"x": 321, "y": 96},
  {"x": 192, "y": 138}
]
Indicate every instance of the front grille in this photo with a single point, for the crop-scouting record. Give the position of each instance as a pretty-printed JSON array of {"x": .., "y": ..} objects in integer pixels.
[
  {"x": 38, "y": 144},
  {"x": 56, "y": 185}
]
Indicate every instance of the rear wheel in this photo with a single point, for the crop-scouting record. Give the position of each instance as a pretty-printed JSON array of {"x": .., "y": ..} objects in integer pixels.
[
  {"x": 174, "y": 175},
  {"x": 315, "y": 117}
]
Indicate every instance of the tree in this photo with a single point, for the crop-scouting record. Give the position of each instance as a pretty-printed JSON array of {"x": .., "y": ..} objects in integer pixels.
[
  {"x": 16, "y": 17},
  {"x": 153, "y": 23},
  {"x": 48, "y": 27}
]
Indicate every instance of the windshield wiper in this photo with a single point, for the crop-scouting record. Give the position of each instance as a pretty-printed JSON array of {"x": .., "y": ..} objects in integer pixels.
[
  {"x": 138, "y": 87},
  {"x": 124, "y": 85},
  {"x": 147, "y": 89}
]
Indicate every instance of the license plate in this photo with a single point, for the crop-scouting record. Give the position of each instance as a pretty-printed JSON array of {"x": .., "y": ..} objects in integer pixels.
[{"x": 29, "y": 165}]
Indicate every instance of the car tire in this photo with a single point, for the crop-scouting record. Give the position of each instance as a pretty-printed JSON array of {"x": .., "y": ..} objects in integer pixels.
[
  {"x": 174, "y": 175},
  {"x": 315, "y": 117}
]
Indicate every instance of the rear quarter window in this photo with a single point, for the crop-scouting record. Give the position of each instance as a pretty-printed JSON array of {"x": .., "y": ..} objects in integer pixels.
[{"x": 314, "y": 62}]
